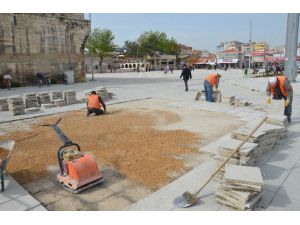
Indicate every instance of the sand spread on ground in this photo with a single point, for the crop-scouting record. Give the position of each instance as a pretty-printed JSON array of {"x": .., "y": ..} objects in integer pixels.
[
  {"x": 3, "y": 153},
  {"x": 123, "y": 139}
]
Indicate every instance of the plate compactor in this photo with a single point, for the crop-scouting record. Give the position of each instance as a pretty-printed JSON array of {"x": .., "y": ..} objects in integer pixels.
[{"x": 78, "y": 171}]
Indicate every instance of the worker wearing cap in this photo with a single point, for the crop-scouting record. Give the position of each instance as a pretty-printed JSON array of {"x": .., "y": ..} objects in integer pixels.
[
  {"x": 95, "y": 104},
  {"x": 280, "y": 88},
  {"x": 210, "y": 81}
]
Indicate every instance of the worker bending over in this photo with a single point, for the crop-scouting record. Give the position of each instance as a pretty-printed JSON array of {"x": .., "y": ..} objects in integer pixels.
[
  {"x": 280, "y": 88},
  {"x": 95, "y": 104},
  {"x": 210, "y": 81}
]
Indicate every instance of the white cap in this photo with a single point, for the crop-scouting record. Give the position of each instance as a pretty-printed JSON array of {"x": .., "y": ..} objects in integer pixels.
[{"x": 273, "y": 80}]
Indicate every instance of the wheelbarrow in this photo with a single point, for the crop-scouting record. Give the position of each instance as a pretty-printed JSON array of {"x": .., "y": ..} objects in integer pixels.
[{"x": 7, "y": 145}]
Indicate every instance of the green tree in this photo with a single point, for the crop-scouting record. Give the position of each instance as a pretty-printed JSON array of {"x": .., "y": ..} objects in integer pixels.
[
  {"x": 100, "y": 43},
  {"x": 153, "y": 41},
  {"x": 131, "y": 48}
]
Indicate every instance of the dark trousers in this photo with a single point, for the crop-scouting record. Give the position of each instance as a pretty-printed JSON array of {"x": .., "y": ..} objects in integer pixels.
[
  {"x": 96, "y": 111},
  {"x": 186, "y": 85},
  {"x": 208, "y": 91},
  {"x": 288, "y": 109}
]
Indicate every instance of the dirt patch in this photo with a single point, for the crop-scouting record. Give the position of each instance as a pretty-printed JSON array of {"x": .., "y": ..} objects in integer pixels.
[
  {"x": 124, "y": 139},
  {"x": 3, "y": 154}
]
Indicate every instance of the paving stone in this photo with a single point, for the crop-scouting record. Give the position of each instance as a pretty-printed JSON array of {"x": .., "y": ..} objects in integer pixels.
[
  {"x": 68, "y": 204},
  {"x": 135, "y": 193},
  {"x": 22, "y": 203},
  {"x": 95, "y": 195},
  {"x": 11, "y": 190},
  {"x": 113, "y": 203},
  {"x": 38, "y": 208}
]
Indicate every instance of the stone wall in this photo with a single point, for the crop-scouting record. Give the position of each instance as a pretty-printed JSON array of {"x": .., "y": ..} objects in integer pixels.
[{"x": 50, "y": 43}]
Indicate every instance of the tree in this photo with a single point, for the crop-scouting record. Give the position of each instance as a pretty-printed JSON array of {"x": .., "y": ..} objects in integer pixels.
[
  {"x": 131, "y": 48},
  {"x": 151, "y": 41},
  {"x": 100, "y": 43}
]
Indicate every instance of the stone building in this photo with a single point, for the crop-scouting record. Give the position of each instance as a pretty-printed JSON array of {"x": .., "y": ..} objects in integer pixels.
[{"x": 49, "y": 43}]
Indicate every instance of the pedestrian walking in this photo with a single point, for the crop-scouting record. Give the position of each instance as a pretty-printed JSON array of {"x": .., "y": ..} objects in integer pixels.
[{"x": 186, "y": 75}]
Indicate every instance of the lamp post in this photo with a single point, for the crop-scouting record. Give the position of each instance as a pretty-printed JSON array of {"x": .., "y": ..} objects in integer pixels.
[
  {"x": 250, "y": 47},
  {"x": 92, "y": 69}
]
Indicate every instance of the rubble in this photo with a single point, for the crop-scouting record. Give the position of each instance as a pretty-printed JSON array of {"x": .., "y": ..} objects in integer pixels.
[
  {"x": 241, "y": 188},
  {"x": 16, "y": 106}
]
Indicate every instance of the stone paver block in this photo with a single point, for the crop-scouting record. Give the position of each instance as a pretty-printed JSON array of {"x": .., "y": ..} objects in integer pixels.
[
  {"x": 113, "y": 203},
  {"x": 25, "y": 202}
]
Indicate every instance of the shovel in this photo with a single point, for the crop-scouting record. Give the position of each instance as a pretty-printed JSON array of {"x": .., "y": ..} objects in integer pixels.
[{"x": 187, "y": 199}]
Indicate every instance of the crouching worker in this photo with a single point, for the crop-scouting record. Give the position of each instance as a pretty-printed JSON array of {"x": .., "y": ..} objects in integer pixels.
[
  {"x": 95, "y": 104},
  {"x": 280, "y": 88},
  {"x": 210, "y": 81}
]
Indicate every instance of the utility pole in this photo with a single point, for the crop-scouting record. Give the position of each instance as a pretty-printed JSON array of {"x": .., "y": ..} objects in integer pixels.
[
  {"x": 290, "y": 66},
  {"x": 250, "y": 48},
  {"x": 92, "y": 69}
]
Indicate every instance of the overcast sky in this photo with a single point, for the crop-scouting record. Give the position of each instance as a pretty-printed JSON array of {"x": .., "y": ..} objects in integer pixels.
[{"x": 200, "y": 31}]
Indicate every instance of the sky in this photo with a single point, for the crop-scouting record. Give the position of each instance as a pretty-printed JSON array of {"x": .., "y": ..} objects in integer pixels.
[{"x": 199, "y": 30}]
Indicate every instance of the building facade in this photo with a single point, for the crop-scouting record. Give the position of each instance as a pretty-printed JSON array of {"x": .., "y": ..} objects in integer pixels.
[{"x": 48, "y": 43}]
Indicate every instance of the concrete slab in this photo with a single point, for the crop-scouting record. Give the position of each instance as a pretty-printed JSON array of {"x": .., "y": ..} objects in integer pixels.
[{"x": 243, "y": 174}]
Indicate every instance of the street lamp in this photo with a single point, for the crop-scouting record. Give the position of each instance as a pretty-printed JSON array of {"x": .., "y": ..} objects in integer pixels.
[{"x": 92, "y": 69}]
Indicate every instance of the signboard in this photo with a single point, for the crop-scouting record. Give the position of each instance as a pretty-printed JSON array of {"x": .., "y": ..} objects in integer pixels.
[
  {"x": 260, "y": 46},
  {"x": 258, "y": 53},
  {"x": 274, "y": 59},
  {"x": 227, "y": 60}
]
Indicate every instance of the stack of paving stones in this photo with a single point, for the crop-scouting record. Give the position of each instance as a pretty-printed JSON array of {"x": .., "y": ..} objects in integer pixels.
[
  {"x": 105, "y": 95},
  {"x": 228, "y": 100},
  {"x": 245, "y": 156},
  {"x": 70, "y": 97},
  {"x": 3, "y": 104},
  {"x": 57, "y": 98},
  {"x": 265, "y": 137},
  {"x": 16, "y": 106},
  {"x": 44, "y": 98},
  {"x": 217, "y": 96},
  {"x": 57, "y": 95},
  {"x": 277, "y": 120},
  {"x": 241, "y": 188},
  {"x": 31, "y": 100}
]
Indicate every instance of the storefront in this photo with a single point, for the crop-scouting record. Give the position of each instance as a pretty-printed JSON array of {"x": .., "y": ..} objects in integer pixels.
[{"x": 228, "y": 63}]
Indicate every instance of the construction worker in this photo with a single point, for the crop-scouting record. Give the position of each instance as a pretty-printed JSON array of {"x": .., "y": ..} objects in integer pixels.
[
  {"x": 95, "y": 104},
  {"x": 210, "y": 81},
  {"x": 280, "y": 88}
]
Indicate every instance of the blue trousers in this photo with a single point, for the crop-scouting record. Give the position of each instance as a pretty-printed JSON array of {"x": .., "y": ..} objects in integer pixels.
[{"x": 208, "y": 91}]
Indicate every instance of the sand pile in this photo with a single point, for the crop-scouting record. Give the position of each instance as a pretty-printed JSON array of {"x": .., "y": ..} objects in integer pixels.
[{"x": 122, "y": 139}]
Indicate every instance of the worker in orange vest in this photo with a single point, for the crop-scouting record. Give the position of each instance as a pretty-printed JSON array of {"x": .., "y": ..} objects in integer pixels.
[
  {"x": 210, "y": 81},
  {"x": 280, "y": 88},
  {"x": 95, "y": 104}
]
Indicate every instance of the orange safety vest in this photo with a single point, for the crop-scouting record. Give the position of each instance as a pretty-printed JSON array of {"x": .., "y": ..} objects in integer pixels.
[
  {"x": 280, "y": 80},
  {"x": 93, "y": 102},
  {"x": 212, "y": 79}
]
